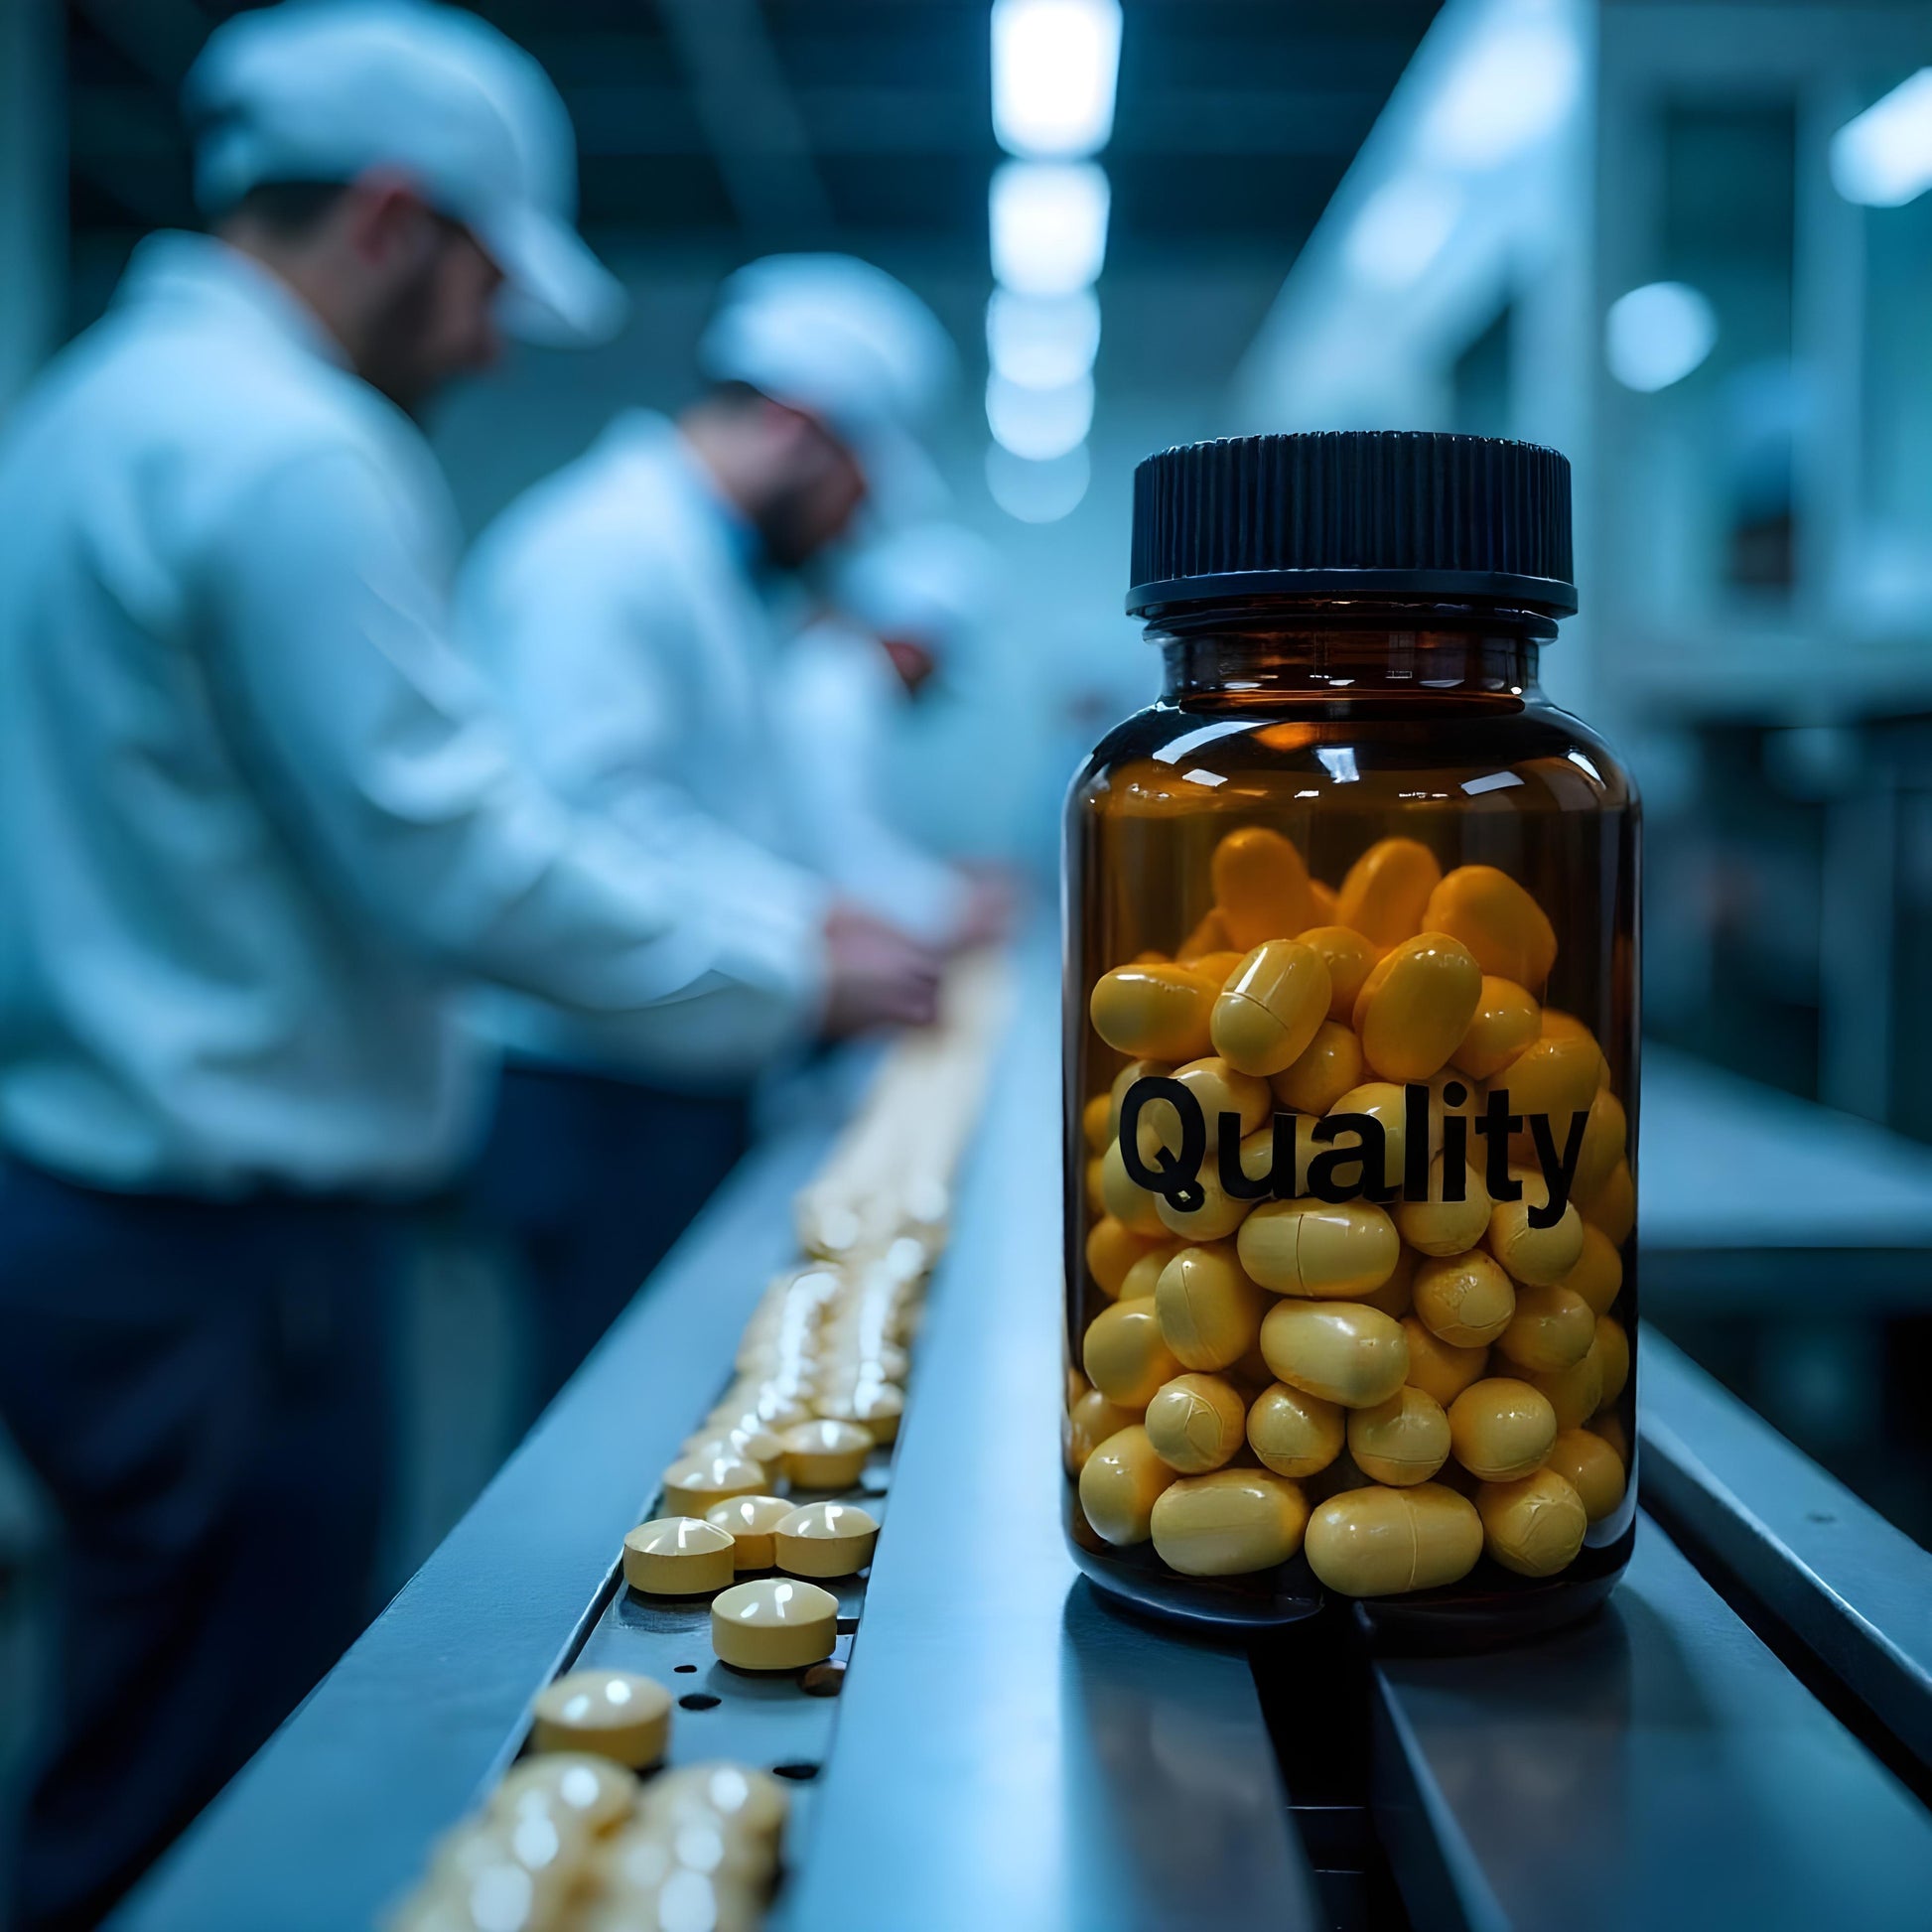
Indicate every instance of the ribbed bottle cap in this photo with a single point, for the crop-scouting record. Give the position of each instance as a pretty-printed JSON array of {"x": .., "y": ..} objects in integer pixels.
[{"x": 1354, "y": 514}]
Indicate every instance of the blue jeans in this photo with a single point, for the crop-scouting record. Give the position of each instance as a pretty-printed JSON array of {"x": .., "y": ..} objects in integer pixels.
[{"x": 201, "y": 1390}]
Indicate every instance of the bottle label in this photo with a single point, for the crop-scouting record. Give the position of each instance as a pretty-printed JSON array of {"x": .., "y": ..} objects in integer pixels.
[{"x": 1346, "y": 1156}]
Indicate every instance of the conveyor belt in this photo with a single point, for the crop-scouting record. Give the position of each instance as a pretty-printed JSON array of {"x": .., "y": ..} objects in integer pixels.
[{"x": 1010, "y": 1751}]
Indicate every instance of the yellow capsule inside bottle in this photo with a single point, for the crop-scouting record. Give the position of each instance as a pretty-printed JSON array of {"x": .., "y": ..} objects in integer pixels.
[
  {"x": 1497, "y": 921},
  {"x": 1382, "y": 1542},
  {"x": 1124, "y": 1354},
  {"x": 1402, "y": 1441},
  {"x": 1506, "y": 1021},
  {"x": 1576, "y": 1393},
  {"x": 1339, "y": 1350},
  {"x": 1330, "y": 1067},
  {"x": 1465, "y": 1300},
  {"x": 1090, "y": 1421},
  {"x": 1501, "y": 1428},
  {"x": 1155, "y": 1012},
  {"x": 1551, "y": 1330},
  {"x": 1349, "y": 959},
  {"x": 1534, "y": 1525},
  {"x": 1387, "y": 890},
  {"x": 1440, "y": 1226},
  {"x": 1267, "y": 1015},
  {"x": 1260, "y": 886},
  {"x": 1437, "y": 1368},
  {"x": 1598, "y": 1274},
  {"x": 1538, "y": 1257},
  {"x": 1112, "y": 1250},
  {"x": 1119, "y": 1483},
  {"x": 1293, "y": 1432},
  {"x": 1196, "y": 1422},
  {"x": 1318, "y": 1248},
  {"x": 1613, "y": 1350},
  {"x": 1593, "y": 1468},
  {"x": 1134, "y": 1206},
  {"x": 1415, "y": 1006},
  {"x": 1229, "y": 1523},
  {"x": 1210, "y": 1311}
]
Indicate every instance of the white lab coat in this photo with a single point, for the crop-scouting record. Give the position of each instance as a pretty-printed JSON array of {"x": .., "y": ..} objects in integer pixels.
[
  {"x": 615, "y": 611},
  {"x": 260, "y": 819},
  {"x": 843, "y": 706}
]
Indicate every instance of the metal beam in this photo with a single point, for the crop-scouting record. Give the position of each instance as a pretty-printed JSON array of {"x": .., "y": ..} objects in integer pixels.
[
  {"x": 161, "y": 37},
  {"x": 746, "y": 107}
]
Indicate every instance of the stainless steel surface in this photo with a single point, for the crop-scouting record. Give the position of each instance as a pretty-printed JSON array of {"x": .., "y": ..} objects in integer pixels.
[
  {"x": 1011, "y": 1753},
  {"x": 1852, "y": 1588},
  {"x": 1656, "y": 1766},
  {"x": 333, "y": 1817}
]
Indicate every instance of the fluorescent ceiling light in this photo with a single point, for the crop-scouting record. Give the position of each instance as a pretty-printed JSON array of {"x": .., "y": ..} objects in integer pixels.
[
  {"x": 1038, "y": 423},
  {"x": 1883, "y": 159},
  {"x": 1403, "y": 227},
  {"x": 1038, "y": 492},
  {"x": 1042, "y": 340},
  {"x": 1514, "y": 89},
  {"x": 1657, "y": 335},
  {"x": 1049, "y": 225},
  {"x": 1054, "y": 67}
]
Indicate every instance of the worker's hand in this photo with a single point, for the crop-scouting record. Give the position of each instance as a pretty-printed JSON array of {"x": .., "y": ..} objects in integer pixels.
[{"x": 877, "y": 976}]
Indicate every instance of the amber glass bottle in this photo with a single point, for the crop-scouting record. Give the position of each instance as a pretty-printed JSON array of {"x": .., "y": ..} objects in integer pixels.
[{"x": 1352, "y": 1035}]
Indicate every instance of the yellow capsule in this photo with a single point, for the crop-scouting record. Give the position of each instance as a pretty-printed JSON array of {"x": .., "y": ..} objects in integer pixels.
[
  {"x": 1096, "y": 1186},
  {"x": 1126, "y": 1199},
  {"x": 1416, "y": 1004},
  {"x": 1261, "y": 886},
  {"x": 1551, "y": 1330},
  {"x": 1093, "y": 1123},
  {"x": 1593, "y": 1468},
  {"x": 1338, "y": 1249},
  {"x": 1158, "y": 1012},
  {"x": 1501, "y": 1428},
  {"x": 1089, "y": 1422},
  {"x": 1557, "y": 1024},
  {"x": 1379, "y": 1542},
  {"x": 1125, "y": 1078},
  {"x": 1534, "y": 1525},
  {"x": 1606, "y": 1134},
  {"x": 1598, "y": 1274},
  {"x": 1228, "y": 1524},
  {"x": 1119, "y": 1483},
  {"x": 1326, "y": 902},
  {"x": 1339, "y": 1350},
  {"x": 1384, "y": 1102},
  {"x": 1506, "y": 1021},
  {"x": 1211, "y": 936},
  {"x": 1397, "y": 1295},
  {"x": 1196, "y": 1422},
  {"x": 1293, "y": 1432},
  {"x": 1439, "y": 1226},
  {"x": 1613, "y": 1349},
  {"x": 1112, "y": 1250},
  {"x": 1537, "y": 1257},
  {"x": 1218, "y": 1089},
  {"x": 1327, "y": 1069},
  {"x": 1556, "y": 1078},
  {"x": 1258, "y": 1159},
  {"x": 1613, "y": 1207},
  {"x": 1349, "y": 959},
  {"x": 1402, "y": 1441},
  {"x": 1144, "y": 1275},
  {"x": 1218, "y": 1216},
  {"x": 1497, "y": 921},
  {"x": 1437, "y": 1368},
  {"x": 1464, "y": 1300},
  {"x": 1217, "y": 968},
  {"x": 1387, "y": 890},
  {"x": 1209, "y": 1311},
  {"x": 1124, "y": 1355},
  {"x": 1610, "y": 1426},
  {"x": 1576, "y": 1393},
  {"x": 1269, "y": 1012}
]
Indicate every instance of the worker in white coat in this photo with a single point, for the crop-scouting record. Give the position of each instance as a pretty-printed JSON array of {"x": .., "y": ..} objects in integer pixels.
[
  {"x": 262, "y": 826},
  {"x": 632, "y": 612},
  {"x": 906, "y": 610}
]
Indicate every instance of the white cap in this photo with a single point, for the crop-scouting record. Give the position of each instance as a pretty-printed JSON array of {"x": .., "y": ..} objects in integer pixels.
[
  {"x": 929, "y": 585},
  {"x": 323, "y": 89},
  {"x": 844, "y": 341}
]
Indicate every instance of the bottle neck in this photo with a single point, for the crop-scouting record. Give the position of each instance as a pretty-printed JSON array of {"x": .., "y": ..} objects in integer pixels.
[{"x": 1352, "y": 653}]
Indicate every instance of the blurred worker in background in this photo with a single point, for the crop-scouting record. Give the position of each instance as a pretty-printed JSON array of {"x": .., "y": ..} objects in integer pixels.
[
  {"x": 632, "y": 611},
  {"x": 262, "y": 822},
  {"x": 907, "y": 608}
]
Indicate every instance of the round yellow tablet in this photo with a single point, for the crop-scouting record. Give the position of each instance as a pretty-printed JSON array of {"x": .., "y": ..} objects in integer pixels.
[
  {"x": 826, "y": 1454},
  {"x": 827, "y": 1540},
  {"x": 677, "y": 1555},
  {"x": 612, "y": 1713},
  {"x": 751, "y": 1523},
  {"x": 773, "y": 1623},
  {"x": 597, "y": 1790},
  {"x": 692, "y": 1486},
  {"x": 755, "y": 1801}
]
